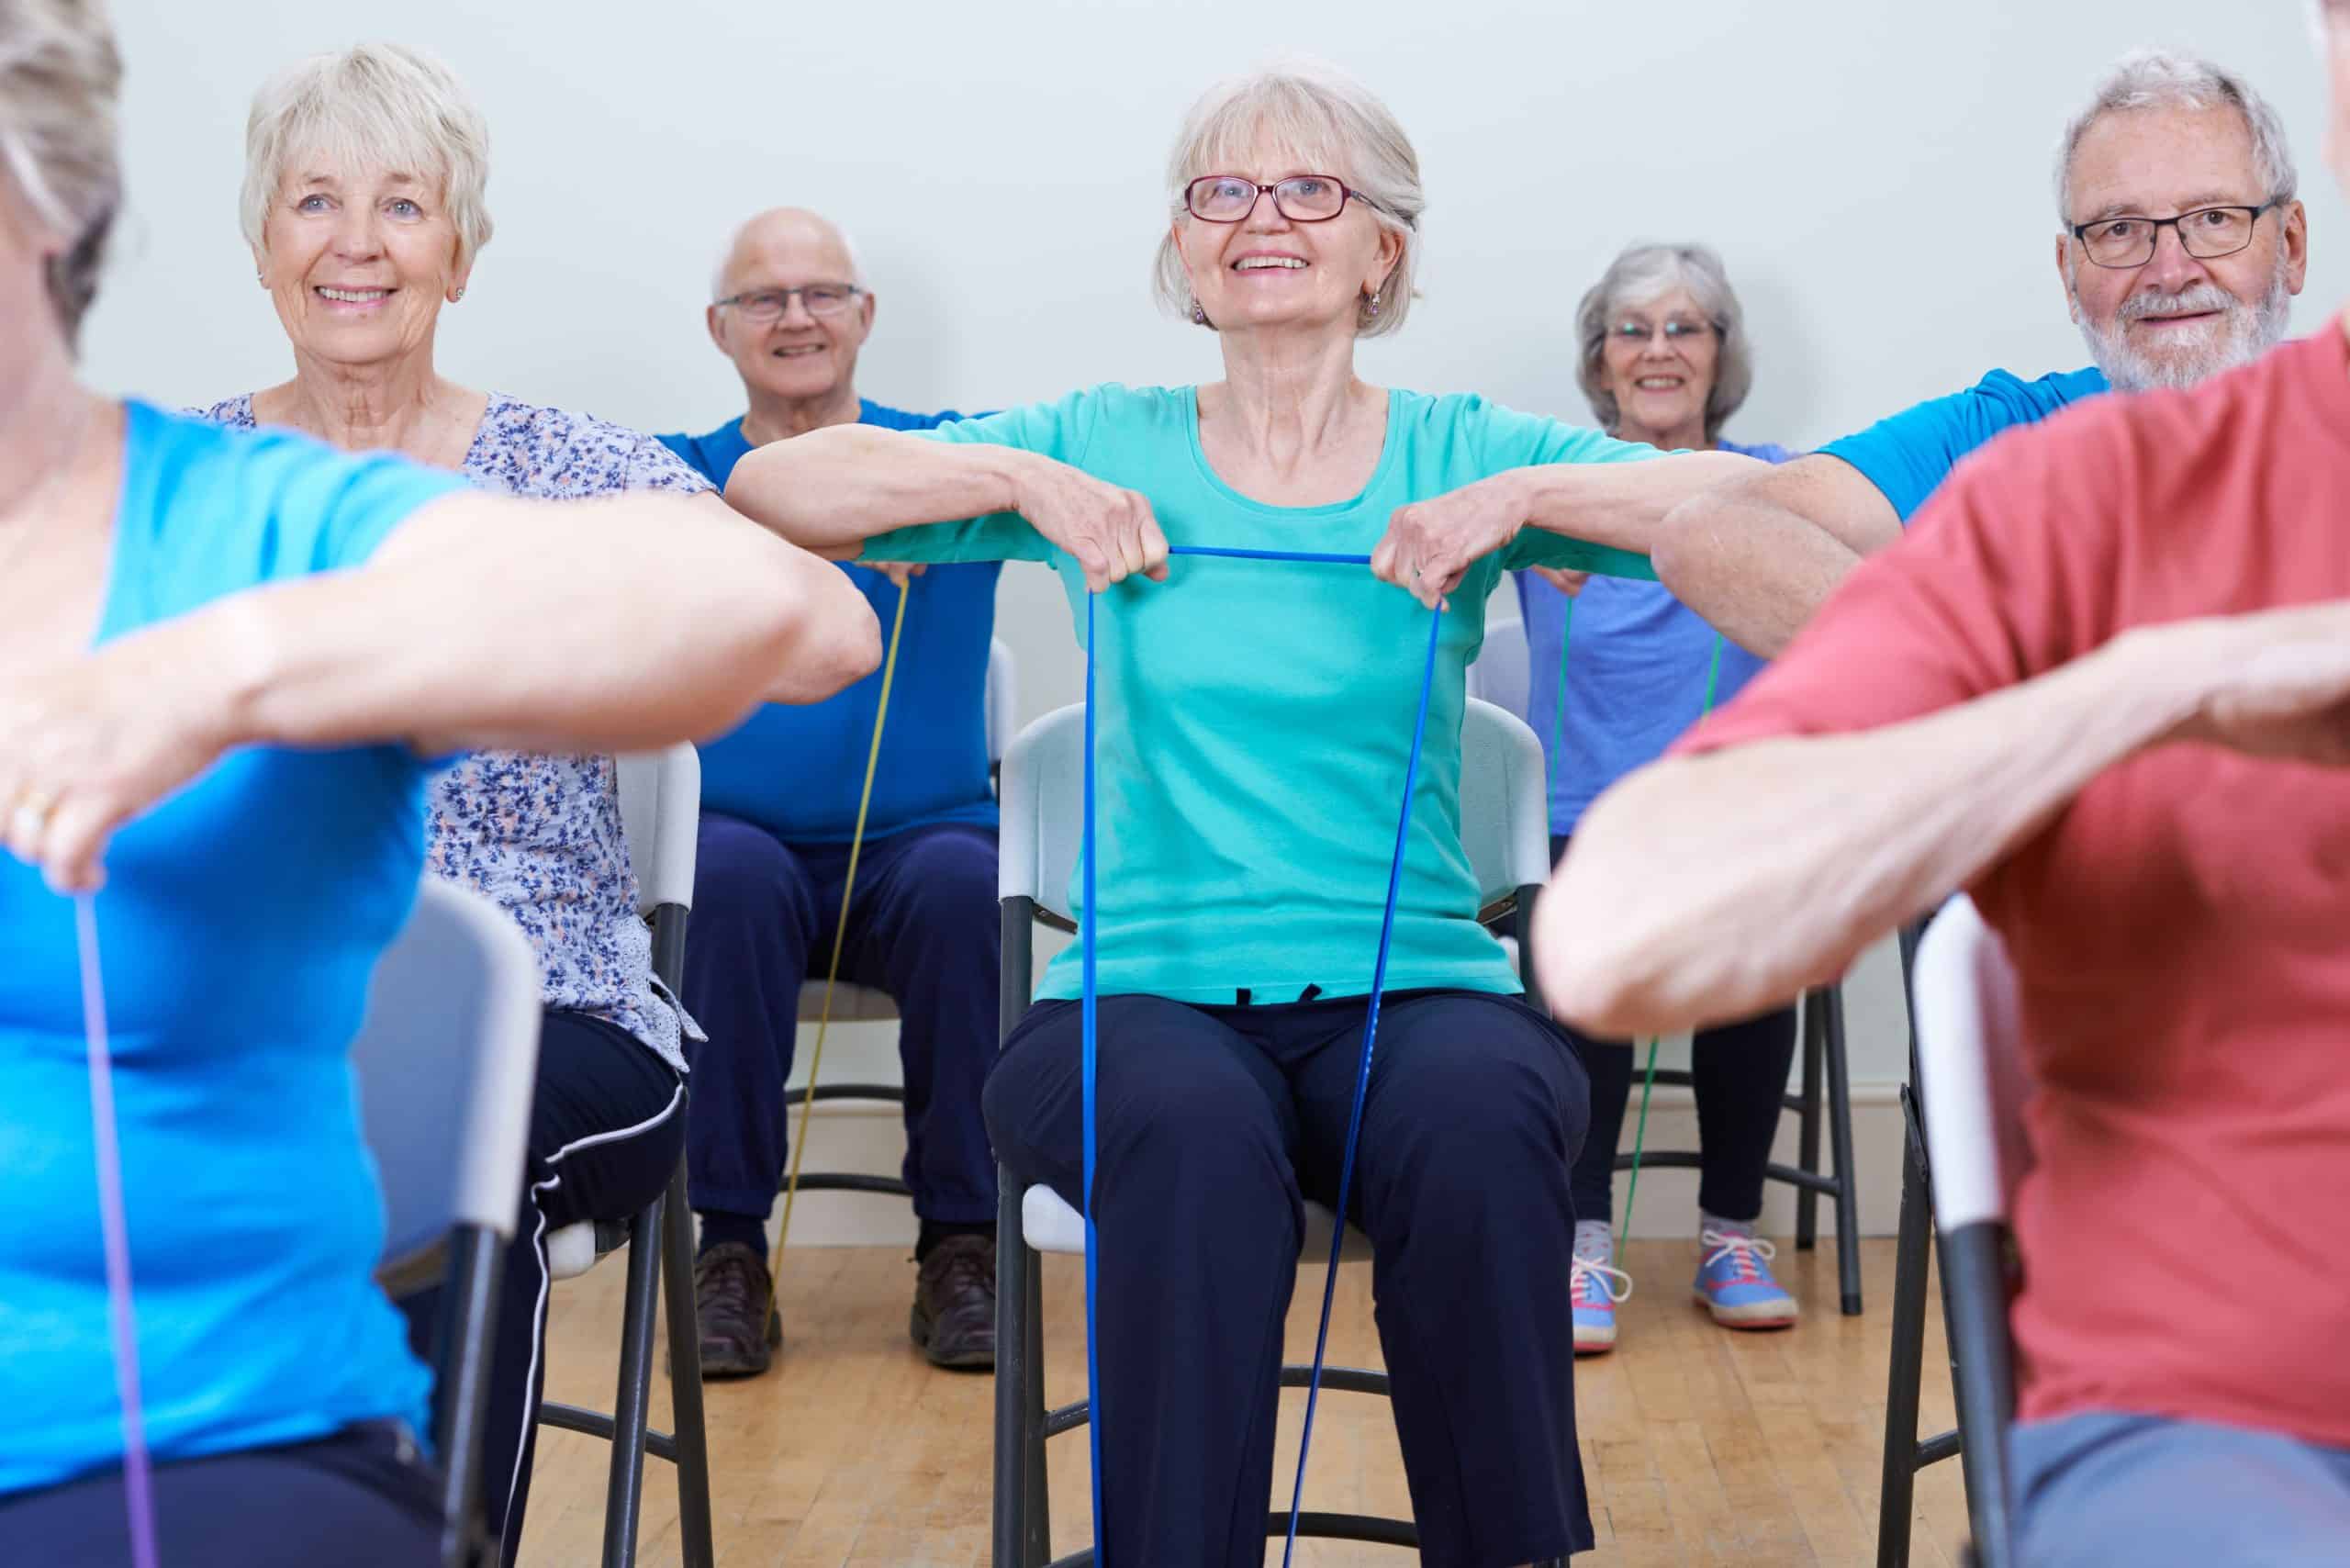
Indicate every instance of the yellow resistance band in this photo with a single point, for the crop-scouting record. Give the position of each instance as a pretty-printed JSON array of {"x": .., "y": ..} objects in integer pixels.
[{"x": 840, "y": 941}]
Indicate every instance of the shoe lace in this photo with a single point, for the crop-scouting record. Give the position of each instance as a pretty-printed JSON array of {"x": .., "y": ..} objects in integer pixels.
[
  {"x": 965, "y": 1267},
  {"x": 1741, "y": 1251},
  {"x": 1594, "y": 1283},
  {"x": 728, "y": 1284}
]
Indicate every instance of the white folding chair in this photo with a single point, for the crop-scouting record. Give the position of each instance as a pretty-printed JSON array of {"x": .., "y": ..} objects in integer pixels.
[
  {"x": 1969, "y": 1096},
  {"x": 445, "y": 1061},
  {"x": 660, "y": 812},
  {"x": 1501, "y": 674},
  {"x": 869, "y": 1004},
  {"x": 1504, "y": 830}
]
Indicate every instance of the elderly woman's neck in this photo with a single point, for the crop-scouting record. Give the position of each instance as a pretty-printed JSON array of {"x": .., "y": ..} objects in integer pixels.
[
  {"x": 1288, "y": 392},
  {"x": 400, "y": 405},
  {"x": 43, "y": 412},
  {"x": 1690, "y": 437}
]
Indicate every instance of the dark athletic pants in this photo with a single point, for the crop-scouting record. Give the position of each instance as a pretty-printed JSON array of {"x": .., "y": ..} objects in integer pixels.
[{"x": 1213, "y": 1121}]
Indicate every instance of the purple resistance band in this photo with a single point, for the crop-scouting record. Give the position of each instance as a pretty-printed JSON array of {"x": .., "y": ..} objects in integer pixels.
[
  {"x": 138, "y": 1491},
  {"x": 1089, "y": 1057}
]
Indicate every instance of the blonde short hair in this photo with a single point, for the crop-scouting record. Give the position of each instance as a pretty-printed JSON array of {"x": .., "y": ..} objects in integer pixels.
[
  {"x": 1325, "y": 117},
  {"x": 378, "y": 103},
  {"x": 61, "y": 81}
]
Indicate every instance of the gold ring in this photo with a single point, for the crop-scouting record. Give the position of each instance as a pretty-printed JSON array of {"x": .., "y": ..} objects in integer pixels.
[{"x": 31, "y": 814}]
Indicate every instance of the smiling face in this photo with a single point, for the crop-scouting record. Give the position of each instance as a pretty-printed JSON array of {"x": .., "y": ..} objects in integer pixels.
[
  {"x": 796, "y": 358},
  {"x": 2177, "y": 318},
  {"x": 1267, "y": 271},
  {"x": 1657, "y": 360},
  {"x": 359, "y": 260}
]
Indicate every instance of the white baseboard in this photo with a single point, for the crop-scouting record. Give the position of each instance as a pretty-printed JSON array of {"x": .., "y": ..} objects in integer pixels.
[{"x": 870, "y": 1138}]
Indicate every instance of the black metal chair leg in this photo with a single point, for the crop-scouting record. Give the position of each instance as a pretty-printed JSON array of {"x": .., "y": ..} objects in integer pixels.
[
  {"x": 1839, "y": 1133},
  {"x": 624, "y": 1489},
  {"x": 1897, "y": 1489},
  {"x": 696, "y": 1548},
  {"x": 1012, "y": 1307},
  {"x": 1039, "y": 1541},
  {"x": 1815, "y": 1034}
]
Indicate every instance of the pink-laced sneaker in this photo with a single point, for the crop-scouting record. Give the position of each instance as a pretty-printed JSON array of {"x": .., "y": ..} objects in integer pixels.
[{"x": 1735, "y": 1284}]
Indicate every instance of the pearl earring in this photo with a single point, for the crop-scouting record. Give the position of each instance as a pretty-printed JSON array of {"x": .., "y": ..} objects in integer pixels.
[
  {"x": 1373, "y": 308},
  {"x": 459, "y": 295}
]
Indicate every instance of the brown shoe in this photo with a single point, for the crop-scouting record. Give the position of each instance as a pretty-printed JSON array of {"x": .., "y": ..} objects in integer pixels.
[
  {"x": 954, "y": 1315},
  {"x": 730, "y": 1294}
]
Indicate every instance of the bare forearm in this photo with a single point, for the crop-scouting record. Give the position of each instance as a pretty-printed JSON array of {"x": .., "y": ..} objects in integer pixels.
[
  {"x": 596, "y": 626},
  {"x": 832, "y": 489},
  {"x": 1754, "y": 571},
  {"x": 1621, "y": 504},
  {"x": 1713, "y": 887}
]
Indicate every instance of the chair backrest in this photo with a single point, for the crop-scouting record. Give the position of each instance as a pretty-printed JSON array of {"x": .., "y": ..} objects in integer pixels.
[
  {"x": 1504, "y": 815},
  {"x": 1501, "y": 675},
  {"x": 1002, "y": 699},
  {"x": 1970, "y": 1066},
  {"x": 660, "y": 813},
  {"x": 445, "y": 1058}
]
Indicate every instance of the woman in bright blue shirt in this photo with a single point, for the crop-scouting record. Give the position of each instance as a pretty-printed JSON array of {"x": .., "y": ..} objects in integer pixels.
[
  {"x": 1255, "y": 723},
  {"x": 223, "y": 657},
  {"x": 1664, "y": 361}
]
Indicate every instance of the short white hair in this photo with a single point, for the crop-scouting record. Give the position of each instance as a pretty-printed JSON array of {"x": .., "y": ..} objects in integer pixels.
[
  {"x": 376, "y": 105},
  {"x": 1325, "y": 117},
  {"x": 60, "y": 82},
  {"x": 2155, "y": 78},
  {"x": 1645, "y": 273}
]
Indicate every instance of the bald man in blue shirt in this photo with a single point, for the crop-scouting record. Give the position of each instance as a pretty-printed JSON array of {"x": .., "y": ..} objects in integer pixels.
[{"x": 779, "y": 809}]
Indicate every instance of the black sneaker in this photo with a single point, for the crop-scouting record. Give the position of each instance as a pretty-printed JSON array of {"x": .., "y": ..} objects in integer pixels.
[
  {"x": 954, "y": 1315},
  {"x": 731, "y": 1291}
]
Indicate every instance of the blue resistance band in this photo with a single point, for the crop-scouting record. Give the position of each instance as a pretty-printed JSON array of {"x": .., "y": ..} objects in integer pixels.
[{"x": 1089, "y": 1049}]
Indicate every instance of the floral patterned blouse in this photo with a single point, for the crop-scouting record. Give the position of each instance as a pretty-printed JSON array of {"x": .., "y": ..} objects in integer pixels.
[{"x": 541, "y": 835}]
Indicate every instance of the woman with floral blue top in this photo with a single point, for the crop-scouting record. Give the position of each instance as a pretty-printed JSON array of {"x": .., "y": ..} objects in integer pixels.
[{"x": 363, "y": 205}]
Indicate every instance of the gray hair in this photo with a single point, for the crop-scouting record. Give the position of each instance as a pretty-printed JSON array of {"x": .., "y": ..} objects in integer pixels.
[
  {"x": 61, "y": 81},
  {"x": 1325, "y": 116},
  {"x": 1644, "y": 273},
  {"x": 2155, "y": 78},
  {"x": 374, "y": 105}
]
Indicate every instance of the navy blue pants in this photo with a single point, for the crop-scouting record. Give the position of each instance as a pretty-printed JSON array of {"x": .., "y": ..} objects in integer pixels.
[
  {"x": 363, "y": 1497},
  {"x": 923, "y": 928},
  {"x": 1214, "y": 1121},
  {"x": 1738, "y": 1073}
]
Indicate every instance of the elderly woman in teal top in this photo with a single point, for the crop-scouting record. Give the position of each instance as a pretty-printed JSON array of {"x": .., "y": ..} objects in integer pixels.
[
  {"x": 224, "y": 657},
  {"x": 1255, "y": 721}
]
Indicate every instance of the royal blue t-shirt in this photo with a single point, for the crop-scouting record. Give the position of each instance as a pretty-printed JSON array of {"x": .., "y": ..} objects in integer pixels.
[
  {"x": 798, "y": 771},
  {"x": 1908, "y": 455},
  {"x": 1638, "y": 662},
  {"x": 239, "y": 927}
]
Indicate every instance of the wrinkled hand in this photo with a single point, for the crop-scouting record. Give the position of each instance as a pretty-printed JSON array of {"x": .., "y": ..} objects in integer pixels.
[
  {"x": 2275, "y": 683},
  {"x": 1110, "y": 532},
  {"x": 1565, "y": 579},
  {"x": 91, "y": 742},
  {"x": 1430, "y": 545},
  {"x": 900, "y": 571}
]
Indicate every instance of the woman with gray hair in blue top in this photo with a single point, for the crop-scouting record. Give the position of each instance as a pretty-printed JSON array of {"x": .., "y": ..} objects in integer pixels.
[{"x": 1664, "y": 359}]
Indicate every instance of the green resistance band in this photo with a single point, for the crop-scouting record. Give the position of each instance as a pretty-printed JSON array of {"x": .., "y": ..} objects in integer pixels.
[{"x": 1558, "y": 747}]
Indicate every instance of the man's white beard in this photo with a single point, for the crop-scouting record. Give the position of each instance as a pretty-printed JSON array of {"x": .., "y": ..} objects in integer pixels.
[{"x": 2241, "y": 334}]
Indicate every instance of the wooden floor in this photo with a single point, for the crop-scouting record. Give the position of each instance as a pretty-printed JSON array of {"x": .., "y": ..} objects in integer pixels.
[{"x": 1699, "y": 1446}]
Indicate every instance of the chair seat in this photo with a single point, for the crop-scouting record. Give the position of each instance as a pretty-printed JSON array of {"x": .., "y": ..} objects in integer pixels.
[
  {"x": 851, "y": 1004},
  {"x": 1051, "y": 1225}
]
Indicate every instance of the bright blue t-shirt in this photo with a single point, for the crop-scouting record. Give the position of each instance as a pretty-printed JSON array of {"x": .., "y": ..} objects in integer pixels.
[
  {"x": 798, "y": 771},
  {"x": 238, "y": 929},
  {"x": 1638, "y": 662},
  {"x": 1908, "y": 455},
  {"x": 1255, "y": 716}
]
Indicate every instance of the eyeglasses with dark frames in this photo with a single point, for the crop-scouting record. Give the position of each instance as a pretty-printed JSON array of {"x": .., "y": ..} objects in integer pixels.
[
  {"x": 1300, "y": 198},
  {"x": 2207, "y": 234},
  {"x": 819, "y": 299}
]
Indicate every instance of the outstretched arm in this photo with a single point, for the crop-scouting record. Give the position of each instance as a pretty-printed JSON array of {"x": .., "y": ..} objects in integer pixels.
[{"x": 1758, "y": 555}]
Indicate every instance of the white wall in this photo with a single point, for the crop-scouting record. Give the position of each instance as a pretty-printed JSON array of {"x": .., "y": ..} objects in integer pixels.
[{"x": 1877, "y": 175}]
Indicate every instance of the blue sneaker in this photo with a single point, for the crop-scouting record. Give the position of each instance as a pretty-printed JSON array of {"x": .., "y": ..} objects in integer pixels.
[
  {"x": 1595, "y": 1288},
  {"x": 1735, "y": 1284}
]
